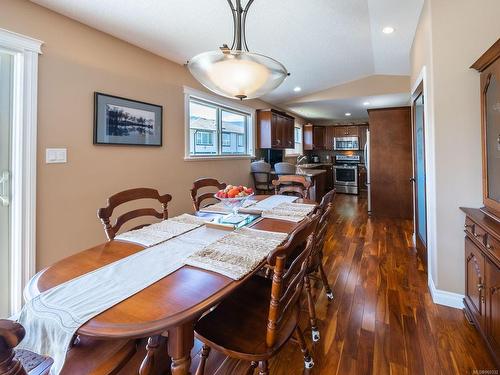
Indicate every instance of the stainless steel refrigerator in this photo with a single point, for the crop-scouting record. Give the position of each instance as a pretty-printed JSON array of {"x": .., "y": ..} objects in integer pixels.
[{"x": 367, "y": 165}]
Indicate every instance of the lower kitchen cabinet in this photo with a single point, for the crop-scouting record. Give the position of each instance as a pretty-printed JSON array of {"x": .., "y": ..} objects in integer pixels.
[
  {"x": 362, "y": 175},
  {"x": 482, "y": 277}
]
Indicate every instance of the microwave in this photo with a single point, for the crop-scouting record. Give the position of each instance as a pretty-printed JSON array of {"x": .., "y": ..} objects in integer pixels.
[{"x": 346, "y": 143}]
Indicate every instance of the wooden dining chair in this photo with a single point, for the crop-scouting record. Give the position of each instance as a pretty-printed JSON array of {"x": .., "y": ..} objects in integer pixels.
[
  {"x": 292, "y": 185},
  {"x": 315, "y": 266},
  {"x": 201, "y": 183},
  {"x": 261, "y": 173},
  {"x": 88, "y": 356},
  {"x": 128, "y": 196},
  {"x": 257, "y": 320}
]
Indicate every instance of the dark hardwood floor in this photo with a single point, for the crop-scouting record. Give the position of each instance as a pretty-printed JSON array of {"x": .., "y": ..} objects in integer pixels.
[{"x": 382, "y": 320}]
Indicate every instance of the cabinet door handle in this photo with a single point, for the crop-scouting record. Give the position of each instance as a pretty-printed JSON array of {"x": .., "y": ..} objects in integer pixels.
[
  {"x": 4, "y": 185},
  {"x": 480, "y": 286}
]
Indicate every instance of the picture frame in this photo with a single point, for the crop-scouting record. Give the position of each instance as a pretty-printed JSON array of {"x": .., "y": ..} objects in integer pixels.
[{"x": 122, "y": 121}]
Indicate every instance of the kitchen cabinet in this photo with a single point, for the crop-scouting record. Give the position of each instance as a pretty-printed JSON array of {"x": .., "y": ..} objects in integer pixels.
[
  {"x": 314, "y": 137},
  {"x": 346, "y": 131},
  {"x": 482, "y": 276},
  {"x": 329, "y": 136},
  {"x": 275, "y": 129}
]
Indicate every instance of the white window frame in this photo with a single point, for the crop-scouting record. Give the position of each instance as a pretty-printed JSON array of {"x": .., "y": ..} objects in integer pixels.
[
  {"x": 25, "y": 51},
  {"x": 190, "y": 93},
  {"x": 293, "y": 152}
]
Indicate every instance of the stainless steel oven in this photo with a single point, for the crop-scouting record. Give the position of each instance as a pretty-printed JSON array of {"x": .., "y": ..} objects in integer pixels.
[
  {"x": 345, "y": 143},
  {"x": 345, "y": 174}
]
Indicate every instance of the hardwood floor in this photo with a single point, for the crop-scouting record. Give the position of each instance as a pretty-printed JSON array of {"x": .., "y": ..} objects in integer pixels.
[{"x": 382, "y": 320}]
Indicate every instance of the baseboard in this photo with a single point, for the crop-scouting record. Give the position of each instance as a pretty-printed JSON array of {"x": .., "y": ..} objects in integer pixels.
[{"x": 442, "y": 297}]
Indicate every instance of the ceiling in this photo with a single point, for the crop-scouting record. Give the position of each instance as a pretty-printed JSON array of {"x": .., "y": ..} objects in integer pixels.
[{"x": 323, "y": 43}]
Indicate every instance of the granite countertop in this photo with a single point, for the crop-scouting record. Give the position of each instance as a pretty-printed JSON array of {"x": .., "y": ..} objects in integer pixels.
[
  {"x": 307, "y": 172},
  {"x": 315, "y": 165}
]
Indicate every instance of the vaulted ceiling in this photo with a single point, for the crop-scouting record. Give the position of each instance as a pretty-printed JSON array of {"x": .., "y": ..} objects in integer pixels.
[{"x": 323, "y": 43}]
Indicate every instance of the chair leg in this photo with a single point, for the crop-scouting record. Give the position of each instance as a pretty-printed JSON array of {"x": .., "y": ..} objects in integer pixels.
[
  {"x": 263, "y": 368},
  {"x": 324, "y": 279},
  {"x": 308, "y": 361},
  {"x": 312, "y": 310},
  {"x": 205, "y": 351},
  {"x": 251, "y": 369}
]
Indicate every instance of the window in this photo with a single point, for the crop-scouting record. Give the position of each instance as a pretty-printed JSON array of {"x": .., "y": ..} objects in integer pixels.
[
  {"x": 298, "y": 149},
  {"x": 204, "y": 138},
  {"x": 217, "y": 130}
]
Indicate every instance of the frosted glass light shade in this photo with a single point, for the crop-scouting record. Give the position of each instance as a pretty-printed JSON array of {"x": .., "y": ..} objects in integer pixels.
[{"x": 237, "y": 74}]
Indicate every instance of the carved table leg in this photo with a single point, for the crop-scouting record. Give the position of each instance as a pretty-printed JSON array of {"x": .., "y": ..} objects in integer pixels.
[
  {"x": 180, "y": 343},
  {"x": 147, "y": 364}
]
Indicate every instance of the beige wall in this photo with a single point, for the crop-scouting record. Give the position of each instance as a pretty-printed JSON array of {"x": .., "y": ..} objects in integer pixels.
[
  {"x": 450, "y": 37},
  {"x": 76, "y": 61}
]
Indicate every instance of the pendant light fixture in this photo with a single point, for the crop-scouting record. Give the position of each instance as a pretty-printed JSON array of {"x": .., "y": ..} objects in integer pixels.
[{"x": 235, "y": 72}]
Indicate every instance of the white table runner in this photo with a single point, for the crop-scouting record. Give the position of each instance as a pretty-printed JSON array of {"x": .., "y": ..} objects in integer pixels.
[
  {"x": 237, "y": 253},
  {"x": 52, "y": 318},
  {"x": 295, "y": 212}
]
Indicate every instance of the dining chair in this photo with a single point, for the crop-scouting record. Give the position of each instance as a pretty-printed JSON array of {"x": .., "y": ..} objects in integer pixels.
[
  {"x": 292, "y": 185},
  {"x": 316, "y": 265},
  {"x": 261, "y": 173},
  {"x": 88, "y": 356},
  {"x": 202, "y": 183},
  {"x": 257, "y": 320},
  {"x": 284, "y": 168},
  {"x": 128, "y": 196}
]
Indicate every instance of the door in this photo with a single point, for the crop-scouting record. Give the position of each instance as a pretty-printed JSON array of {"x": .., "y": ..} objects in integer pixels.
[
  {"x": 6, "y": 70},
  {"x": 340, "y": 131},
  {"x": 419, "y": 193}
]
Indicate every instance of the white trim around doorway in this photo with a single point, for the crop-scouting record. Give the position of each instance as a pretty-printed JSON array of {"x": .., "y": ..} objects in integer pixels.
[{"x": 25, "y": 51}]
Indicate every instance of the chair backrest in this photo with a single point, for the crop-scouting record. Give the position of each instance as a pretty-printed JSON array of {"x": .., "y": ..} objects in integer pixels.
[
  {"x": 292, "y": 185},
  {"x": 204, "y": 183},
  {"x": 127, "y": 196},
  {"x": 287, "y": 281},
  {"x": 327, "y": 199},
  {"x": 261, "y": 173},
  {"x": 284, "y": 168},
  {"x": 321, "y": 229}
]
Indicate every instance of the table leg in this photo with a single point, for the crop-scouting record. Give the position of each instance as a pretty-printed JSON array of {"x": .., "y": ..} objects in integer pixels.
[{"x": 180, "y": 343}]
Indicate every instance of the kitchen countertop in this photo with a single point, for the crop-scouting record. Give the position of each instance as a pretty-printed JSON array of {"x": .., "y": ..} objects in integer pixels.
[
  {"x": 307, "y": 172},
  {"x": 314, "y": 165}
]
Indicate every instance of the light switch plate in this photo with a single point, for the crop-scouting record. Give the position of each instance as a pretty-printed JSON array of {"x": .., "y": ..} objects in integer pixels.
[{"x": 55, "y": 155}]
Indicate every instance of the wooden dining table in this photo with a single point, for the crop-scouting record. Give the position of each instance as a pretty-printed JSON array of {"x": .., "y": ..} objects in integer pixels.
[{"x": 169, "y": 307}]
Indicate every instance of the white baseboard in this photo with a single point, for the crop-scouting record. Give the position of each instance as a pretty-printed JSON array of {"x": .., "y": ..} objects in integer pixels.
[{"x": 442, "y": 297}]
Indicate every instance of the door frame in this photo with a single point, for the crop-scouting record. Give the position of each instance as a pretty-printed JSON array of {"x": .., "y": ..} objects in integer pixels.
[
  {"x": 421, "y": 247},
  {"x": 25, "y": 51}
]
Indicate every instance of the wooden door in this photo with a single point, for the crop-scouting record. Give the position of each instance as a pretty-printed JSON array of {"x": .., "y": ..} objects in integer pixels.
[
  {"x": 329, "y": 135},
  {"x": 474, "y": 280},
  {"x": 492, "y": 274},
  {"x": 391, "y": 162},
  {"x": 319, "y": 137}
]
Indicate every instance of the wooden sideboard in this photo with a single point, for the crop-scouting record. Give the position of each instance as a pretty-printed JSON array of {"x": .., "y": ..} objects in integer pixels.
[
  {"x": 482, "y": 276},
  {"x": 482, "y": 226}
]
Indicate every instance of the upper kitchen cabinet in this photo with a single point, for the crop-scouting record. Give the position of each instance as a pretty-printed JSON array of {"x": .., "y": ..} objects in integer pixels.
[
  {"x": 346, "y": 131},
  {"x": 329, "y": 136},
  {"x": 314, "y": 137},
  {"x": 275, "y": 129}
]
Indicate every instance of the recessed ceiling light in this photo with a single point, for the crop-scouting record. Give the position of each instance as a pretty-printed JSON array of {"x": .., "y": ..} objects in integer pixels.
[
  {"x": 366, "y": 103},
  {"x": 388, "y": 30},
  {"x": 347, "y": 113},
  {"x": 297, "y": 88}
]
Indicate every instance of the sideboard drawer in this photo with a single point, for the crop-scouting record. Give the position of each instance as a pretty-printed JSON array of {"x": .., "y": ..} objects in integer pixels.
[
  {"x": 493, "y": 245},
  {"x": 479, "y": 234}
]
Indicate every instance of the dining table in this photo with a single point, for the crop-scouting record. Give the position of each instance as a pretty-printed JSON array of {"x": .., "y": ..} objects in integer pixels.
[{"x": 169, "y": 307}]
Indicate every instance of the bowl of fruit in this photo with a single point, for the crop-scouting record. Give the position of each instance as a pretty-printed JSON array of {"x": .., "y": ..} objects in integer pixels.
[{"x": 233, "y": 198}]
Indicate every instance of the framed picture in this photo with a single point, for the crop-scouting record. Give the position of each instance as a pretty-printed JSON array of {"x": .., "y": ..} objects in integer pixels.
[{"x": 120, "y": 121}]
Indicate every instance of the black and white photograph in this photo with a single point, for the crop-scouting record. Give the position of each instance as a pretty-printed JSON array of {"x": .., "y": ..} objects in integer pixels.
[{"x": 125, "y": 121}]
